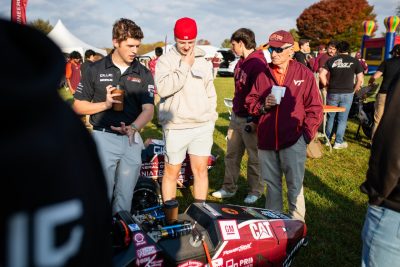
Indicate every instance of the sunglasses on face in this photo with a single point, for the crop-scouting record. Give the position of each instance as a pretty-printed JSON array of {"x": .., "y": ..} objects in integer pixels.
[{"x": 278, "y": 49}]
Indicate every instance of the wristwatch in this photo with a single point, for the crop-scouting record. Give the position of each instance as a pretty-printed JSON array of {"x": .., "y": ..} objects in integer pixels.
[
  {"x": 134, "y": 127},
  {"x": 263, "y": 110}
]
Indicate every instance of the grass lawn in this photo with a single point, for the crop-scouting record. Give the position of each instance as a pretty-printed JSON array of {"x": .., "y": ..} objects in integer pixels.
[{"x": 335, "y": 205}]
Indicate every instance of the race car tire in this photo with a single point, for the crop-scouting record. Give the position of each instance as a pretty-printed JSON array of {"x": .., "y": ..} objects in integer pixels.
[{"x": 146, "y": 194}]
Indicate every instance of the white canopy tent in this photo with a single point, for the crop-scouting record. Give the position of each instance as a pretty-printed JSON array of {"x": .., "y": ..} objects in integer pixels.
[
  {"x": 151, "y": 54},
  {"x": 69, "y": 42}
]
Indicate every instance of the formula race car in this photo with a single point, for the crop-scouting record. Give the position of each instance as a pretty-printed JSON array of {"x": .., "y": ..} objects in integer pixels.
[
  {"x": 207, "y": 234},
  {"x": 147, "y": 192}
]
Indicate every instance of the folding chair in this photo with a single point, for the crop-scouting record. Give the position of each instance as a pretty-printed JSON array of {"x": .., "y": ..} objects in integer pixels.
[{"x": 228, "y": 103}]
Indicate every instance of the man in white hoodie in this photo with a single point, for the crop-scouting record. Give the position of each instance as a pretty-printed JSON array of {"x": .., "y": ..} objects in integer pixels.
[{"x": 187, "y": 113}]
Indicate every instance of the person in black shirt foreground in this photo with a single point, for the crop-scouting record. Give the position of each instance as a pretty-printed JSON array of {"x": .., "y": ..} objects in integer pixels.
[
  {"x": 390, "y": 70},
  {"x": 54, "y": 205},
  {"x": 380, "y": 234},
  {"x": 116, "y": 133}
]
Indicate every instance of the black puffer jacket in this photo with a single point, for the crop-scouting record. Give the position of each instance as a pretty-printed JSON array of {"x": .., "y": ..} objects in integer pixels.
[{"x": 383, "y": 177}]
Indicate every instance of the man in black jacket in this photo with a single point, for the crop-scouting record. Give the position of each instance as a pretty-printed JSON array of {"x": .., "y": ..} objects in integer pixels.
[{"x": 381, "y": 239}]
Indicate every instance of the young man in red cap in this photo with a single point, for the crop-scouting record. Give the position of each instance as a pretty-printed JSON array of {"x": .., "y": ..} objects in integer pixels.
[
  {"x": 187, "y": 112},
  {"x": 285, "y": 96}
]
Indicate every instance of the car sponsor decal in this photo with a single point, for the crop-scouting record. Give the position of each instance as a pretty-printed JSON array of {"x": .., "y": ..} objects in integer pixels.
[
  {"x": 273, "y": 215},
  {"x": 150, "y": 261},
  {"x": 218, "y": 262},
  {"x": 261, "y": 230},
  {"x": 258, "y": 229},
  {"x": 139, "y": 239},
  {"x": 146, "y": 251},
  {"x": 230, "y": 211},
  {"x": 191, "y": 263},
  {"x": 134, "y": 227},
  {"x": 246, "y": 262},
  {"x": 254, "y": 213},
  {"x": 229, "y": 229},
  {"x": 211, "y": 210},
  {"x": 236, "y": 250}
]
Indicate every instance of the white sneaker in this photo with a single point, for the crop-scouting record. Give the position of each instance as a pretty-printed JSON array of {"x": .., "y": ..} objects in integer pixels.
[
  {"x": 340, "y": 146},
  {"x": 222, "y": 194},
  {"x": 251, "y": 199}
]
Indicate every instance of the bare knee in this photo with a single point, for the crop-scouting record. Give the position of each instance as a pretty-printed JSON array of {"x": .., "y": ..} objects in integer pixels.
[
  {"x": 171, "y": 172},
  {"x": 199, "y": 165}
]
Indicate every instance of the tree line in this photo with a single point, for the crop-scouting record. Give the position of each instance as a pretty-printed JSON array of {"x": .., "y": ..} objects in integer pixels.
[{"x": 321, "y": 22}]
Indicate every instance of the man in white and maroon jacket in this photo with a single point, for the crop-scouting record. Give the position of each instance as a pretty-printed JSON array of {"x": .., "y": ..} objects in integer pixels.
[
  {"x": 287, "y": 123},
  {"x": 187, "y": 112}
]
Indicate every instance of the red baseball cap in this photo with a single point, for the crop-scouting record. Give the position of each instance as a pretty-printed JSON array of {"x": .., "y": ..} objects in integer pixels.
[
  {"x": 185, "y": 29},
  {"x": 279, "y": 38}
]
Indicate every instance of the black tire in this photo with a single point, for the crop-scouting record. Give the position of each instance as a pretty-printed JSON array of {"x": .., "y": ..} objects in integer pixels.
[
  {"x": 367, "y": 126},
  {"x": 353, "y": 113},
  {"x": 145, "y": 195},
  {"x": 367, "y": 129}
]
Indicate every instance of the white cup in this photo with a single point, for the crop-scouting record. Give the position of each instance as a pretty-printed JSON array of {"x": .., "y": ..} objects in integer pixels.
[{"x": 277, "y": 92}]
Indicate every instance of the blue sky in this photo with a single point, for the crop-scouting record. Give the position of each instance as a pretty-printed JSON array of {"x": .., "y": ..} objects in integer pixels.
[{"x": 91, "y": 20}]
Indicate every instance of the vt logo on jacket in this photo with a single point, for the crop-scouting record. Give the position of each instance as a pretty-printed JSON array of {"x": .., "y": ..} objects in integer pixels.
[{"x": 298, "y": 82}]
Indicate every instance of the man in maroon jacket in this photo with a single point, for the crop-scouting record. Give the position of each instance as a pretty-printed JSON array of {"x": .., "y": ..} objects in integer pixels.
[
  {"x": 287, "y": 100},
  {"x": 241, "y": 133}
]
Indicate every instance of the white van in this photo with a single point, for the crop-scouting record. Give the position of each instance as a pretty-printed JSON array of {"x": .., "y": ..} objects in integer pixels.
[{"x": 229, "y": 61}]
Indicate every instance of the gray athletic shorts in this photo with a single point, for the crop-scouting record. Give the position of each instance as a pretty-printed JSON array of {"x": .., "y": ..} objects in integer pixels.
[{"x": 195, "y": 141}]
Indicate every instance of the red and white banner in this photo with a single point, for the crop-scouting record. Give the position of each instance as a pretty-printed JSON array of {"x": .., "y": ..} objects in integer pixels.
[{"x": 18, "y": 11}]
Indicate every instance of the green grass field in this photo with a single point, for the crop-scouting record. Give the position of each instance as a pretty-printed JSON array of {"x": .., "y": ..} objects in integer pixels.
[{"x": 334, "y": 203}]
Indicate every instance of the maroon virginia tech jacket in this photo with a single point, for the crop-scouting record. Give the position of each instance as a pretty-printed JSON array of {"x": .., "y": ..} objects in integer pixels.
[
  {"x": 246, "y": 71},
  {"x": 299, "y": 113}
]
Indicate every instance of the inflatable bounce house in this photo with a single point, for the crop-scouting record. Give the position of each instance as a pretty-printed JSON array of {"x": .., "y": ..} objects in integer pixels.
[{"x": 375, "y": 50}]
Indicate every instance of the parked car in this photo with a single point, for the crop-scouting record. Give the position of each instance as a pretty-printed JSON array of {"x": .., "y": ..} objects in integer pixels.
[{"x": 229, "y": 61}]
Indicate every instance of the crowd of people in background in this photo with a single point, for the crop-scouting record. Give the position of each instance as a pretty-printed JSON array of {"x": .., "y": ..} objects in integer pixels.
[
  {"x": 76, "y": 66},
  {"x": 277, "y": 110},
  {"x": 331, "y": 76}
]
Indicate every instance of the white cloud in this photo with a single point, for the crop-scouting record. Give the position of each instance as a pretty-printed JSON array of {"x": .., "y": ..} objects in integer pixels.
[{"x": 91, "y": 20}]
